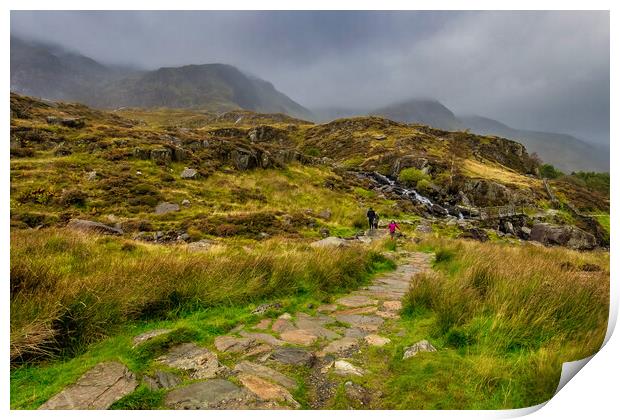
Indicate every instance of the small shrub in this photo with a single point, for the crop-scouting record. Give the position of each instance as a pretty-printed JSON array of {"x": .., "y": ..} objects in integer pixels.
[
  {"x": 22, "y": 152},
  {"x": 423, "y": 186},
  {"x": 36, "y": 195},
  {"x": 73, "y": 197},
  {"x": 549, "y": 171},
  {"x": 411, "y": 176}
]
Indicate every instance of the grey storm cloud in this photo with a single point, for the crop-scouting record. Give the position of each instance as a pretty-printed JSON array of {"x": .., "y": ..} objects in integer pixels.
[{"x": 541, "y": 70}]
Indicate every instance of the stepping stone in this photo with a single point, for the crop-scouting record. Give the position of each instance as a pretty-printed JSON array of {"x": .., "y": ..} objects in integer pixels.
[
  {"x": 286, "y": 316},
  {"x": 344, "y": 368},
  {"x": 362, "y": 322},
  {"x": 263, "y": 338},
  {"x": 139, "y": 339},
  {"x": 228, "y": 344},
  {"x": 355, "y": 333},
  {"x": 265, "y": 373},
  {"x": 293, "y": 356},
  {"x": 377, "y": 340},
  {"x": 301, "y": 337},
  {"x": 388, "y": 315},
  {"x": 354, "y": 301},
  {"x": 211, "y": 394},
  {"x": 97, "y": 389},
  {"x": 357, "y": 311},
  {"x": 328, "y": 307},
  {"x": 320, "y": 319},
  {"x": 267, "y": 391},
  {"x": 199, "y": 361},
  {"x": 392, "y": 305},
  {"x": 264, "y": 324},
  {"x": 420, "y": 346},
  {"x": 282, "y": 325},
  {"x": 160, "y": 380},
  {"x": 259, "y": 349},
  {"x": 340, "y": 346}
]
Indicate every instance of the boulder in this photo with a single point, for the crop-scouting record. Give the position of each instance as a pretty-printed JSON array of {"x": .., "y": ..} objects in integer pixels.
[
  {"x": 568, "y": 236},
  {"x": 186, "y": 202},
  {"x": 420, "y": 346},
  {"x": 165, "y": 207},
  {"x": 344, "y": 368},
  {"x": 325, "y": 214},
  {"x": 189, "y": 173},
  {"x": 329, "y": 242},
  {"x": 161, "y": 156},
  {"x": 476, "y": 234},
  {"x": 87, "y": 225}
]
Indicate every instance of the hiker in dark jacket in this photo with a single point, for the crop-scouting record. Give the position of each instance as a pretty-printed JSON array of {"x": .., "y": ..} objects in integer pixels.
[
  {"x": 371, "y": 217},
  {"x": 375, "y": 223}
]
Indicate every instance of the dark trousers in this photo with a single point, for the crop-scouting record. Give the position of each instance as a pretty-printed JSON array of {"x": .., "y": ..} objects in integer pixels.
[{"x": 371, "y": 222}]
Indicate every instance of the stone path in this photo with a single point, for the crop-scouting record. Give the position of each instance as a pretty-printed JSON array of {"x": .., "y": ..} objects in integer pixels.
[{"x": 265, "y": 363}]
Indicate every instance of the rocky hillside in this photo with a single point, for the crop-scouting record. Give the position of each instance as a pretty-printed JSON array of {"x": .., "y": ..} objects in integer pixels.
[
  {"x": 53, "y": 73},
  {"x": 252, "y": 175}
]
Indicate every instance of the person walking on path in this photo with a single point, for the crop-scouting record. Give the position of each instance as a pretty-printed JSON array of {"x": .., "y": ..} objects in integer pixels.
[
  {"x": 375, "y": 222},
  {"x": 392, "y": 227},
  {"x": 371, "y": 217}
]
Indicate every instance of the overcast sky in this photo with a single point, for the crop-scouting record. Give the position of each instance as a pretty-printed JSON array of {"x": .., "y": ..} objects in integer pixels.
[{"x": 535, "y": 70}]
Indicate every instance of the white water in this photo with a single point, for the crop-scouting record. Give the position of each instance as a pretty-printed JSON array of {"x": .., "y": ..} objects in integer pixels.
[{"x": 409, "y": 193}]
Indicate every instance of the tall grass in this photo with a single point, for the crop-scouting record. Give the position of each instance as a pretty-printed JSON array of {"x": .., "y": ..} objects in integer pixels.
[
  {"x": 70, "y": 289},
  {"x": 529, "y": 304}
]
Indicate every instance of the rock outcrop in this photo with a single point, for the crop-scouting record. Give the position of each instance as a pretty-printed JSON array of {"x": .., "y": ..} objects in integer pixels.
[{"x": 568, "y": 236}]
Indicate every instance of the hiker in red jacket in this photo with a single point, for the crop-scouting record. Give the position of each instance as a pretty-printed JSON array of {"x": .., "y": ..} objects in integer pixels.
[{"x": 392, "y": 227}]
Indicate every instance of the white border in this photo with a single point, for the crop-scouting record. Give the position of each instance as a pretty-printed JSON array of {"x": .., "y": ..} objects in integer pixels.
[{"x": 592, "y": 393}]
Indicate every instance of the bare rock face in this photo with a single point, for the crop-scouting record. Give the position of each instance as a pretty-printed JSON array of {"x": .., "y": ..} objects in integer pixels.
[
  {"x": 568, "y": 236},
  {"x": 199, "y": 361},
  {"x": 97, "y": 389},
  {"x": 420, "y": 346},
  {"x": 266, "y": 390},
  {"x": 90, "y": 226},
  {"x": 265, "y": 373},
  {"x": 211, "y": 394},
  {"x": 161, "y": 379}
]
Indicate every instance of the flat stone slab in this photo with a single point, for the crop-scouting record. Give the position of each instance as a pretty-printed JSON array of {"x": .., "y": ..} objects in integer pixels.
[
  {"x": 354, "y": 301},
  {"x": 320, "y": 319},
  {"x": 265, "y": 373},
  {"x": 357, "y": 311},
  {"x": 328, "y": 307},
  {"x": 229, "y": 344},
  {"x": 388, "y": 315},
  {"x": 97, "y": 389},
  {"x": 262, "y": 338},
  {"x": 200, "y": 362},
  {"x": 300, "y": 337},
  {"x": 293, "y": 356},
  {"x": 341, "y": 346},
  {"x": 263, "y": 324},
  {"x": 266, "y": 390},
  {"x": 392, "y": 305},
  {"x": 210, "y": 394},
  {"x": 355, "y": 333},
  {"x": 377, "y": 340},
  {"x": 344, "y": 368},
  {"x": 362, "y": 322},
  {"x": 144, "y": 337},
  {"x": 281, "y": 325}
]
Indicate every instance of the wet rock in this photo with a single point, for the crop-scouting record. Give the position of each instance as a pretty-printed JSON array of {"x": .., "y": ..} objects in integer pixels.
[
  {"x": 189, "y": 173},
  {"x": 265, "y": 390},
  {"x": 211, "y": 394},
  {"x": 165, "y": 207},
  {"x": 198, "y": 361},
  {"x": 420, "y": 346},
  {"x": 568, "y": 236},
  {"x": 144, "y": 337},
  {"x": 90, "y": 226},
  {"x": 329, "y": 242},
  {"x": 377, "y": 340},
  {"x": 293, "y": 356},
  {"x": 161, "y": 379},
  {"x": 300, "y": 337},
  {"x": 97, "y": 389},
  {"x": 344, "y": 368},
  {"x": 265, "y": 373},
  {"x": 354, "y": 301}
]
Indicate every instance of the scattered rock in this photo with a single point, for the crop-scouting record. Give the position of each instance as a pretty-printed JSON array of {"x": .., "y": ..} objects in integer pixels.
[
  {"x": 165, "y": 207},
  {"x": 201, "y": 245},
  {"x": 91, "y": 176},
  {"x": 265, "y": 373},
  {"x": 476, "y": 234},
  {"x": 357, "y": 393},
  {"x": 198, "y": 361},
  {"x": 330, "y": 241},
  {"x": 90, "y": 226},
  {"x": 325, "y": 214},
  {"x": 211, "y": 394},
  {"x": 344, "y": 368},
  {"x": 161, "y": 379},
  {"x": 354, "y": 301},
  {"x": 329, "y": 307},
  {"x": 186, "y": 202},
  {"x": 266, "y": 390},
  {"x": 261, "y": 309},
  {"x": 139, "y": 339},
  {"x": 228, "y": 344},
  {"x": 293, "y": 356},
  {"x": 392, "y": 305},
  {"x": 189, "y": 173},
  {"x": 420, "y": 346},
  {"x": 300, "y": 337},
  {"x": 377, "y": 340},
  {"x": 97, "y": 389},
  {"x": 282, "y": 325}
]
